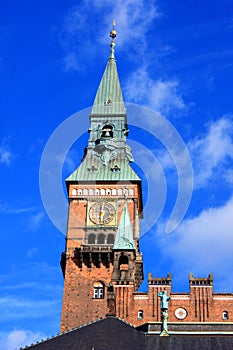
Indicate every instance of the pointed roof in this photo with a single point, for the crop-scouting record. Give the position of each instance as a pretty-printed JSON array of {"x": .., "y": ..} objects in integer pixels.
[
  {"x": 107, "y": 159},
  {"x": 124, "y": 236},
  {"x": 109, "y": 98}
]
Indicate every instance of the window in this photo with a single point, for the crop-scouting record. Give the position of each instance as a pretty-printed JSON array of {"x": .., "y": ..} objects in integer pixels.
[
  {"x": 123, "y": 260},
  {"x": 91, "y": 238},
  {"x": 225, "y": 315},
  {"x": 131, "y": 191},
  {"x": 115, "y": 168},
  {"x": 119, "y": 192},
  {"x": 140, "y": 314},
  {"x": 107, "y": 131},
  {"x": 98, "y": 290},
  {"x": 110, "y": 238},
  {"x": 101, "y": 238},
  {"x": 74, "y": 192}
]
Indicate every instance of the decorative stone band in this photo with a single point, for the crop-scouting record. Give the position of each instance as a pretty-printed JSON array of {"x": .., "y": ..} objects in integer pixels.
[
  {"x": 178, "y": 297},
  {"x": 103, "y": 192},
  {"x": 223, "y": 298},
  {"x": 137, "y": 297}
]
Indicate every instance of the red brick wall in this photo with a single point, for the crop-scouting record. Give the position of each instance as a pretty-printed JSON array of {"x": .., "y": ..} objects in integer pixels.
[{"x": 79, "y": 306}]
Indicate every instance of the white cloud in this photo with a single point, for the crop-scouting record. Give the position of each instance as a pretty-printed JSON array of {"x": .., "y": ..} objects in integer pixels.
[
  {"x": 71, "y": 62},
  {"x": 13, "y": 308},
  {"x": 212, "y": 154},
  {"x": 32, "y": 252},
  {"x": 35, "y": 221},
  {"x": 203, "y": 244},
  {"x": 5, "y": 154},
  {"x": 228, "y": 176},
  {"x": 7, "y": 209},
  {"x": 133, "y": 19},
  {"x": 18, "y": 338},
  {"x": 162, "y": 95}
]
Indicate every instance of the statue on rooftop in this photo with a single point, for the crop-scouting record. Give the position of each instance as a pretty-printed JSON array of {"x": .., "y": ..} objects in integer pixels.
[
  {"x": 164, "y": 314},
  {"x": 164, "y": 300}
]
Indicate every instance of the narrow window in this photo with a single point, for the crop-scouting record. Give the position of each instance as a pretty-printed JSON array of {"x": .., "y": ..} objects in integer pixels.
[
  {"x": 131, "y": 191},
  {"x": 140, "y": 314},
  {"x": 101, "y": 238},
  {"x": 85, "y": 192},
  {"x": 225, "y": 315},
  {"x": 110, "y": 238},
  {"x": 119, "y": 192},
  {"x": 98, "y": 290},
  {"x": 74, "y": 192},
  {"x": 91, "y": 238}
]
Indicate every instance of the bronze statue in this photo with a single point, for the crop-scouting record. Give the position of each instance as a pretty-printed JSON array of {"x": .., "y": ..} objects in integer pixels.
[{"x": 164, "y": 314}]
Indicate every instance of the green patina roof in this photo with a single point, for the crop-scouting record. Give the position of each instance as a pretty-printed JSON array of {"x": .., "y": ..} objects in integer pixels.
[
  {"x": 109, "y": 98},
  {"x": 124, "y": 236},
  {"x": 107, "y": 159},
  {"x": 92, "y": 169}
]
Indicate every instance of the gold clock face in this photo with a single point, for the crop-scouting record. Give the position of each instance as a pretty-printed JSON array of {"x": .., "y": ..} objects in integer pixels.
[{"x": 101, "y": 213}]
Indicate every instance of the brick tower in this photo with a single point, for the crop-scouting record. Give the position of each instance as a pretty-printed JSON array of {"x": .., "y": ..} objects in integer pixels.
[{"x": 102, "y": 264}]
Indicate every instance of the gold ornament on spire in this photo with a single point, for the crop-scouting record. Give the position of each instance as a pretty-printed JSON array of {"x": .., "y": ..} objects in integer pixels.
[{"x": 113, "y": 32}]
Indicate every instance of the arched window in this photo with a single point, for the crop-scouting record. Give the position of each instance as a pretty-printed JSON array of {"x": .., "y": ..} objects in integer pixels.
[
  {"x": 131, "y": 191},
  {"x": 85, "y": 192},
  {"x": 74, "y": 192},
  {"x": 225, "y": 315},
  {"x": 140, "y": 314},
  {"x": 107, "y": 131},
  {"x": 123, "y": 260},
  {"x": 101, "y": 238},
  {"x": 98, "y": 290},
  {"x": 91, "y": 238},
  {"x": 119, "y": 192},
  {"x": 110, "y": 238}
]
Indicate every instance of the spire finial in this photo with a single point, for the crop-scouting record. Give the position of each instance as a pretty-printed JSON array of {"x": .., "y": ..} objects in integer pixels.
[{"x": 113, "y": 34}]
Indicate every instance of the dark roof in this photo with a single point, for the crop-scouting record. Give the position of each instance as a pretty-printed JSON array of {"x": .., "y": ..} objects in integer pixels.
[
  {"x": 109, "y": 333},
  {"x": 115, "y": 334}
]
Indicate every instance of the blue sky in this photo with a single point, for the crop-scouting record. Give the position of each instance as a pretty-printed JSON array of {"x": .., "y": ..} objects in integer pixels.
[{"x": 174, "y": 57}]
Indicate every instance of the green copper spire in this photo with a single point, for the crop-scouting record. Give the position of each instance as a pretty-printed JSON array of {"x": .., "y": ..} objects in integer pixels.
[
  {"x": 107, "y": 156},
  {"x": 124, "y": 236},
  {"x": 109, "y": 98}
]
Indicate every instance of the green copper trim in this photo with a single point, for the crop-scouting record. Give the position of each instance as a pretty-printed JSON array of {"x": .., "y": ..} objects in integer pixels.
[
  {"x": 124, "y": 236},
  {"x": 92, "y": 169}
]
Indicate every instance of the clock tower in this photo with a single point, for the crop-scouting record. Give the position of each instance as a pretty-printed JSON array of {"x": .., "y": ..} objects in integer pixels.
[{"x": 102, "y": 264}]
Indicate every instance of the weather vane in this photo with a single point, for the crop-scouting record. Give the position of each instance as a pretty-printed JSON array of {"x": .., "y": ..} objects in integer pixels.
[{"x": 113, "y": 32}]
